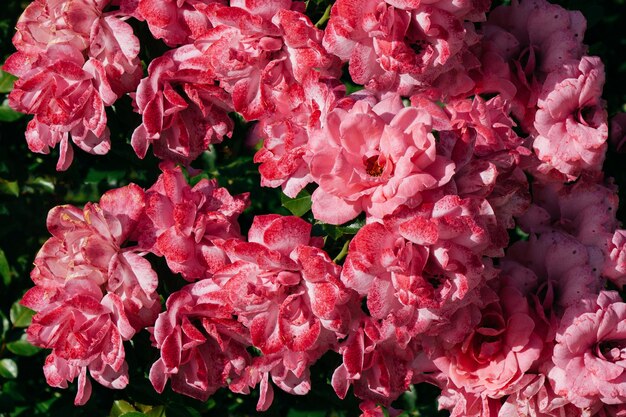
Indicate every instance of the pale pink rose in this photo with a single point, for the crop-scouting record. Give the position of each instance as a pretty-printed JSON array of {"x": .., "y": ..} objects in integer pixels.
[
  {"x": 67, "y": 97},
  {"x": 565, "y": 265},
  {"x": 589, "y": 355},
  {"x": 523, "y": 43},
  {"x": 402, "y": 46},
  {"x": 586, "y": 209},
  {"x": 261, "y": 58},
  {"x": 176, "y": 22},
  {"x": 202, "y": 345},
  {"x": 182, "y": 109},
  {"x": 496, "y": 355},
  {"x": 571, "y": 121},
  {"x": 374, "y": 159},
  {"x": 187, "y": 225},
  {"x": 542, "y": 295}
]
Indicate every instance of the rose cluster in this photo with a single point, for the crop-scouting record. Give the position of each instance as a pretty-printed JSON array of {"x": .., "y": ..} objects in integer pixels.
[{"x": 473, "y": 153}]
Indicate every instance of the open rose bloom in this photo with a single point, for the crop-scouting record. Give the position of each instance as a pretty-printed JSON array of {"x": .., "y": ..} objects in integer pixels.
[{"x": 461, "y": 231}]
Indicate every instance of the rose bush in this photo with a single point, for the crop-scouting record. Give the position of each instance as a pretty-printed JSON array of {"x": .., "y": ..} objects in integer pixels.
[{"x": 445, "y": 226}]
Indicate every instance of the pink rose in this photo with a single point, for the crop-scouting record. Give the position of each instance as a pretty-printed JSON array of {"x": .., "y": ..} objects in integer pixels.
[
  {"x": 374, "y": 159},
  {"x": 561, "y": 262},
  {"x": 187, "y": 225},
  {"x": 398, "y": 45},
  {"x": 571, "y": 121},
  {"x": 538, "y": 399},
  {"x": 202, "y": 345},
  {"x": 463, "y": 403},
  {"x": 523, "y": 43},
  {"x": 285, "y": 290},
  {"x": 287, "y": 293},
  {"x": 289, "y": 370},
  {"x": 589, "y": 353},
  {"x": 262, "y": 52},
  {"x": 81, "y": 25},
  {"x": 87, "y": 245},
  {"x": 497, "y": 354},
  {"x": 378, "y": 365},
  {"x": 585, "y": 209},
  {"x": 423, "y": 265},
  {"x": 182, "y": 109},
  {"x": 285, "y": 134},
  {"x": 67, "y": 97},
  {"x": 84, "y": 331},
  {"x": 46, "y": 22}
]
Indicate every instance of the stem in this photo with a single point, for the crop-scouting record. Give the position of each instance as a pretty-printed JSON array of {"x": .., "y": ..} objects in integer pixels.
[
  {"x": 343, "y": 253},
  {"x": 324, "y": 17}
]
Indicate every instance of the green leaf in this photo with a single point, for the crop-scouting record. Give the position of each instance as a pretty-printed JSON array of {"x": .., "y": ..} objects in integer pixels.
[
  {"x": 410, "y": 398},
  {"x": 22, "y": 348},
  {"x": 5, "y": 323},
  {"x": 133, "y": 414},
  {"x": 336, "y": 232},
  {"x": 121, "y": 407},
  {"x": 44, "y": 183},
  {"x": 43, "y": 407},
  {"x": 352, "y": 228},
  {"x": 8, "y": 368},
  {"x": 111, "y": 176},
  {"x": 297, "y": 206},
  {"x": 7, "y": 114},
  {"x": 5, "y": 270},
  {"x": 156, "y": 412},
  {"x": 9, "y": 187},
  {"x": 20, "y": 315},
  {"x": 6, "y": 82}
]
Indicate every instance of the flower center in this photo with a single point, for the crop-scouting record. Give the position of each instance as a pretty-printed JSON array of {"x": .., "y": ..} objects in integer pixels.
[
  {"x": 611, "y": 350},
  {"x": 372, "y": 166},
  {"x": 418, "y": 46},
  {"x": 584, "y": 116}
]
